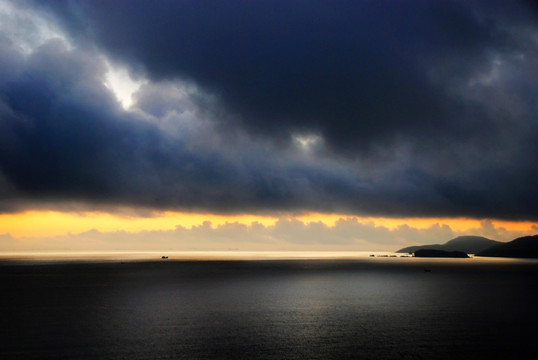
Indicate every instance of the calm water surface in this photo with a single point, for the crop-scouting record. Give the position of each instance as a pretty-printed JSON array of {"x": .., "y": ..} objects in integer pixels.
[{"x": 364, "y": 308}]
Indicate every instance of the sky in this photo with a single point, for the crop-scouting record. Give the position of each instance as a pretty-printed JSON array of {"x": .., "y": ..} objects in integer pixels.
[{"x": 266, "y": 125}]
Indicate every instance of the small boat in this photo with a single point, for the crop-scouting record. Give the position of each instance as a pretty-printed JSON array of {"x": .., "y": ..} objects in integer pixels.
[{"x": 164, "y": 257}]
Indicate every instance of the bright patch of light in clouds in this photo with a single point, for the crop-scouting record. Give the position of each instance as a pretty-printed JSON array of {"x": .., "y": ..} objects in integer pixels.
[
  {"x": 308, "y": 141},
  {"x": 118, "y": 80}
]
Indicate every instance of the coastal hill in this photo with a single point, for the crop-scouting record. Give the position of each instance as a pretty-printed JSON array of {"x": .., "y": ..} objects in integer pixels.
[
  {"x": 467, "y": 244},
  {"x": 523, "y": 247}
]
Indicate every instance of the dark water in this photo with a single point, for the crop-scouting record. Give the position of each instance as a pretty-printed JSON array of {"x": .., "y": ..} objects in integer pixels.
[{"x": 340, "y": 309}]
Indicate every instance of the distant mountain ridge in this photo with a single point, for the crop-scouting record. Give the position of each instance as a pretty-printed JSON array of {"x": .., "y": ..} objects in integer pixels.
[
  {"x": 467, "y": 244},
  {"x": 523, "y": 247}
]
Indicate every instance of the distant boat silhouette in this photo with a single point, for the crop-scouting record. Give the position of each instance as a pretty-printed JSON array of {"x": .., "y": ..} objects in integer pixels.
[{"x": 164, "y": 257}]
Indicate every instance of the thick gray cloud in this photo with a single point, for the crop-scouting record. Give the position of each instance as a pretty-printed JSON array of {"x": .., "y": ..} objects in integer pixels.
[{"x": 386, "y": 108}]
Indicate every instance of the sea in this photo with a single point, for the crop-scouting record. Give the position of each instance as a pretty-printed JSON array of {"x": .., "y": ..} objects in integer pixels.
[{"x": 234, "y": 305}]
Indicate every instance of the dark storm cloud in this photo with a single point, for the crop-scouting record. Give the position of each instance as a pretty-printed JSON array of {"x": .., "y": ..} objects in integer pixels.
[
  {"x": 64, "y": 137},
  {"x": 357, "y": 71},
  {"x": 421, "y": 107}
]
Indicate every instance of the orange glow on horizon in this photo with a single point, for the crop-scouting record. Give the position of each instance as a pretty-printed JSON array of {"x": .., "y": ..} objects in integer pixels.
[
  {"x": 51, "y": 223},
  {"x": 456, "y": 224},
  {"x": 38, "y": 223}
]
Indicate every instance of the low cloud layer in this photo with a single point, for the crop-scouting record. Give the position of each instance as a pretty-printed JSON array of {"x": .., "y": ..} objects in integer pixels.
[
  {"x": 381, "y": 108},
  {"x": 287, "y": 234}
]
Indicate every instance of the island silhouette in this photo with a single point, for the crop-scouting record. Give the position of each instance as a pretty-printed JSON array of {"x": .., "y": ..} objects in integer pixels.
[
  {"x": 523, "y": 247},
  {"x": 467, "y": 244}
]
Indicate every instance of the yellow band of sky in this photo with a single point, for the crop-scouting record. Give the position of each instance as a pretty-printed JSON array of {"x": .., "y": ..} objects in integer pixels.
[{"x": 39, "y": 223}]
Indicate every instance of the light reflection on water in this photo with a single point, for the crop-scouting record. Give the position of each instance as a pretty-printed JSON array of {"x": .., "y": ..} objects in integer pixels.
[
  {"x": 127, "y": 256},
  {"x": 191, "y": 255},
  {"x": 373, "y": 308}
]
